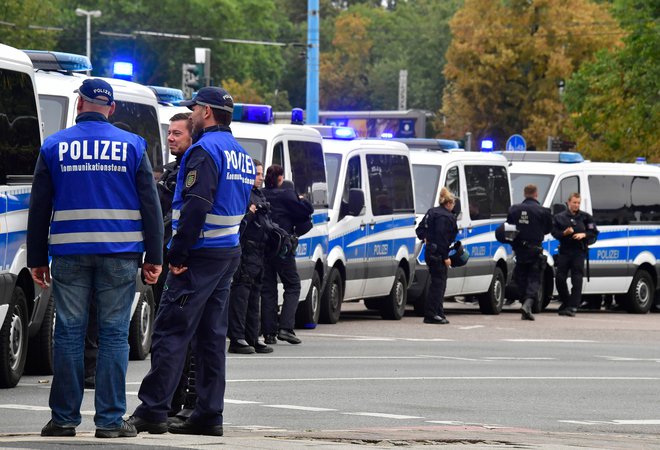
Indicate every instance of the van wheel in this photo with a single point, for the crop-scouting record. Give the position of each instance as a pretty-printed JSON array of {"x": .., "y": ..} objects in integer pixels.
[
  {"x": 420, "y": 302},
  {"x": 544, "y": 293},
  {"x": 640, "y": 295},
  {"x": 14, "y": 340},
  {"x": 492, "y": 301},
  {"x": 142, "y": 325},
  {"x": 332, "y": 298},
  {"x": 40, "y": 349},
  {"x": 307, "y": 314},
  {"x": 394, "y": 306}
]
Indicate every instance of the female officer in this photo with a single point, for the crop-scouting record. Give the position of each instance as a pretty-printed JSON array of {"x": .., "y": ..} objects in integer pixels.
[{"x": 441, "y": 231}]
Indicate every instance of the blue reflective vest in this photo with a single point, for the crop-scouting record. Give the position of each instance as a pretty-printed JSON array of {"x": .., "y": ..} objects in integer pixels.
[
  {"x": 96, "y": 209},
  {"x": 236, "y": 174}
]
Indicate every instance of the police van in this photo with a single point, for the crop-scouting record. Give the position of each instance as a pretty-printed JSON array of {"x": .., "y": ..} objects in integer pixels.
[
  {"x": 372, "y": 223},
  {"x": 480, "y": 182},
  {"x": 57, "y": 76},
  {"x": 26, "y": 311},
  {"x": 297, "y": 148},
  {"x": 624, "y": 200}
]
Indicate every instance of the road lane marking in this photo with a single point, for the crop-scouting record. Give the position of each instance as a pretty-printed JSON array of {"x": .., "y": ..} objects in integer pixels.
[
  {"x": 460, "y": 378},
  {"x": 453, "y": 357},
  {"x": 241, "y": 402},
  {"x": 560, "y": 341},
  {"x": 471, "y": 327},
  {"x": 382, "y": 415},
  {"x": 621, "y": 358},
  {"x": 301, "y": 408},
  {"x": 374, "y": 338},
  {"x": 39, "y": 408},
  {"x": 614, "y": 422},
  {"x": 518, "y": 358}
]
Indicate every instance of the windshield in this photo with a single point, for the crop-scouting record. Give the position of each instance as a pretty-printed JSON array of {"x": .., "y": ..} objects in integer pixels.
[
  {"x": 520, "y": 180},
  {"x": 426, "y": 185},
  {"x": 332, "y": 165},
  {"x": 53, "y": 113},
  {"x": 256, "y": 148},
  {"x": 308, "y": 172}
]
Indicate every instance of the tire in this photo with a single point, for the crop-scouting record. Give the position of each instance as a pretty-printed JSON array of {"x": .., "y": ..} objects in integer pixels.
[
  {"x": 142, "y": 326},
  {"x": 393, "y": 306},
  {"x": 308, "y": 312},
  {"x": 14, "y": 340},
  {"x": 640, "y": 295},
  {"x": 543, "y": 295},
  {"x": 332, "y": 298},
  {"x": 420, "y": 302},
  {"x": 492, "y": 301},
  {"x": 40, "y": 348}
]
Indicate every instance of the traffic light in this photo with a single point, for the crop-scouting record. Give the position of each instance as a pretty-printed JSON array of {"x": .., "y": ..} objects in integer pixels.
[{"x": 191, "y": 78}]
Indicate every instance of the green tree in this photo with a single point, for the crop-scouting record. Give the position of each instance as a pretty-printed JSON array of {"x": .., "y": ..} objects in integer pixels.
[
  {"x": 508, "y": 59},
  {"x": 615, "y": 100},
  {"x": 25, "y": 15}
]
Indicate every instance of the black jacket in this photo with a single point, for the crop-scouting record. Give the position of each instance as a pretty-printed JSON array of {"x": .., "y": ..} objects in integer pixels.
[
  {"x": 533, "y": 222},
  {"x": 256, "y": 226},
  {"x": 287, "y": 209},
  {"x": 581, "y": 222},
  {"x": 166, "y": 186},
  {"x": 441, "y": 230}
]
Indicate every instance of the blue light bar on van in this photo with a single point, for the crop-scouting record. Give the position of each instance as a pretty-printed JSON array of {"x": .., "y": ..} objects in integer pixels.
[
  {"x": 570, "y": 157},
  {"x": 346, "y": 133},
  {"x": 244, "y": 112},
  {"x": 386, "y": 135},
  {"x": 297, "y": 116},
  {"x": 68, "y": 62},
  {"x": 487, "y": 145},
  {"x": 167, "y": 95}
]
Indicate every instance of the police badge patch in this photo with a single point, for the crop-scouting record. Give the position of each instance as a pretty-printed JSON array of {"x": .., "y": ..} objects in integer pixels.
[{"x": 191, "y": 178}]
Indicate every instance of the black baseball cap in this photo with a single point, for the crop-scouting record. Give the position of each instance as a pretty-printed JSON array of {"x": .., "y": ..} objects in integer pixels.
[
  {"x": 97, "y": 91},
  {"x": 213, "y": 96}
]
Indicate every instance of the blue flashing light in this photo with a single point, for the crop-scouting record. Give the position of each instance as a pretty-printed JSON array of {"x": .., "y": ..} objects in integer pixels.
[
  {"x": 168, "y": 95},
  {"x": 297, "y": 116},
  {"x": 122, "y": 68},
  {"x": 640, "y": 160},
  {"x": 346, "y": 133},
  {"x": 570, "y": 157},
  {"x": 68, "y": 62},
  {"x": 244, "y": 112},
  {"x": 386, "y": 135},
  {"x": 487, "y": 145}
]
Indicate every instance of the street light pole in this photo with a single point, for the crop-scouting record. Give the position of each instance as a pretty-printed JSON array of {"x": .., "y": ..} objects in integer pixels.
[{"x": 89, "y": 14}]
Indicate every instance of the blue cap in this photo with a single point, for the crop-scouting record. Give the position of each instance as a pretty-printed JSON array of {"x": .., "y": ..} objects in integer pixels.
[
  {"x": 97, "y": 91},
  {"x": 212, "y": 96}
]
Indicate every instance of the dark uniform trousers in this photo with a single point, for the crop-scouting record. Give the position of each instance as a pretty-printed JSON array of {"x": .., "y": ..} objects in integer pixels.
[
  {"x": 573, "y": 261},
  {"x": 286, "y": 269},
  {"x": 244, "y": 300},
  {"x": 527, "y": 273},
  {"x": 193, "y": 307},
  {"x": 434, "y": 303}
]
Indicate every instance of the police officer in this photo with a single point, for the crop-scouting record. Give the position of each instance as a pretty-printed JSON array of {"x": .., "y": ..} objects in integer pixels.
[
  {"x": 93, "y": 187},
  {"x": 441, "y": 231},
  {"x": 288, "y": 210},
  {"x": 244, "y": 299},
  {"x": 533, "y": 222},
  {"x": 211, "y": 197},
  {"x": 575, "y": 230}
]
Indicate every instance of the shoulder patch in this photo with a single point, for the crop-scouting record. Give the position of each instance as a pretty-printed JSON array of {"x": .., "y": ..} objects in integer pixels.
[{"x": 191, "y": 178}]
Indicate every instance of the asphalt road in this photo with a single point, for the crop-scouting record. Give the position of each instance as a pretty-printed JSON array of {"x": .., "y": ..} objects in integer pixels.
[{"x": 590, "y": 381}]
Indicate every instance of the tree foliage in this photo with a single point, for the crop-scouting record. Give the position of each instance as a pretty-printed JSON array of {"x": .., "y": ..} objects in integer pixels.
[
  {"x": 508, "y": 59},
  {"x": 615, "y": 100},
  {"x": 21, "y": 16}
]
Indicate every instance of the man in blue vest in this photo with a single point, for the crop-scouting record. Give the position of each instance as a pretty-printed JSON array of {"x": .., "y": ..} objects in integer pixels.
[
  {"x": 94, "y": 187},
  {"x": 211, "y": 197}
]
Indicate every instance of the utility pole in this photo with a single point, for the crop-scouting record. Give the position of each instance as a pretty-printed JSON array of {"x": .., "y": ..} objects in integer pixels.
[
  {"x": 89, "y": 14},
  {"x": 313, "y": 61},
  {"x": 403, "y": 89}
]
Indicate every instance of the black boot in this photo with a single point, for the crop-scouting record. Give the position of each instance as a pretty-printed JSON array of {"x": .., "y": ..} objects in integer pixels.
[{"x": 526, "y": 309}]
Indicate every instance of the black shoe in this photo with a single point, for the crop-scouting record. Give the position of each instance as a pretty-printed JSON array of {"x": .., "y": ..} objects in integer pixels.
[
  {"x": 289, "y": 336},
  {"x": 141, "y": 425},
  {"x": 260, "y": 347},
  {"x": 436, "y": 319},
  {"x": 189, "y": 427},
  {"x": 51, "y": 429},
  {"x": 526, "y": 310},
  {"x": 270, "y": 339},
  {"x": 125, "y": 430},
  {"x": 240, "y": 346},
  {"x": 90, "y": 382},
  {"x": 568, "y": 312}
]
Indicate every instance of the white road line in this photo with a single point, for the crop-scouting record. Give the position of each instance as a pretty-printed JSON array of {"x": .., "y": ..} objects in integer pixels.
[
  {"x": 241, "y": 402},
  {"x": 566, "y": 341},
  {"x": 515, "y": 358},
  {"x": 471, "y": 327},
  {"x": 453, "y": 357},
  {"x": 39, "y": 408},
  {"x": 335, "y": 357},
  {"x": 373, "y": 338},
  {"x": 301, "y": 408},
  {"x": 614, "y": 422},
  {"x": 459, "y": 378},
  {"x": 620, "y": 358},
  {"x": 384, "y": 416}
]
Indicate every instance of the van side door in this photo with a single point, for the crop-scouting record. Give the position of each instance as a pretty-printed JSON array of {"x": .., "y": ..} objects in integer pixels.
[{"x": 456, "y": 276}]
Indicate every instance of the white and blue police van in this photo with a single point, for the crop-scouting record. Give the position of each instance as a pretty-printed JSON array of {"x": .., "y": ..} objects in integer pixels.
[
  {"x": 26, "y": 311},
  {"x": 57, "y": 76},
  {"x": 297, "y": 148},
  {"x": 480, "y": 182},
  {"x": 372, "y": 223},
  {"x": 624, "y": 200},
  {"x": 168, "y": 105}
]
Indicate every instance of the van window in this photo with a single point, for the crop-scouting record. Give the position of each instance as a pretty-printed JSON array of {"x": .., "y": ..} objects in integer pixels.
[
  {"x": 520, "y": 180},
  {"x": 256, "y": 148},
  {"x": 390, "y": 185},
  {"x": 488, "y": 191},
  {"x": 332, "y": 165},
  {"x": 453, "y": 181},
  {"x": 20, "y": 139},
  {"x": 142, "y": 120},
  {"x": 426, "y": 185},
  {"x": 278, "y": 154},
  {"x": 353, "y": 181},
  {"x": 645, "y": 192},
  {"x": 308, "y": 171},
  {"x": 567, "y": 186},
  {"x": 53, "y": 110},
  {"x": 610, "y": 199}
]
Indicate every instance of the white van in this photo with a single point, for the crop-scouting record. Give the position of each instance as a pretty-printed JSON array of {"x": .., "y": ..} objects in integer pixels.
[
  {"x": 372, "y": 224},
  {"x": 26, "y": 311},
  {"x": 624, "y": 200},
  {"x": 480, "y": 181},
  {"x": 297, "y": 148},
  {"x": 57, "y": 77}
]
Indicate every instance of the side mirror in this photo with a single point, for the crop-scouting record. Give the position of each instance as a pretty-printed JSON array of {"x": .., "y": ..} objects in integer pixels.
[
  {"x": 558, "y": 208},
  {"x": 355, "y": 202}
]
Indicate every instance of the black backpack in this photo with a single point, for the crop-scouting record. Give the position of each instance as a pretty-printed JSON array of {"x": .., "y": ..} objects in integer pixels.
[{"x": 422, "y": 229}]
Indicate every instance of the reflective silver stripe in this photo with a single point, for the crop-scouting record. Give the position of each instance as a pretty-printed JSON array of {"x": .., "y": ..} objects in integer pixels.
[
  {"x": 220, "y": 232},
  {"x": 84, "y": 238},
  {"x": 94, "y": 214},
  {"x": 214, "y": 219}
]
